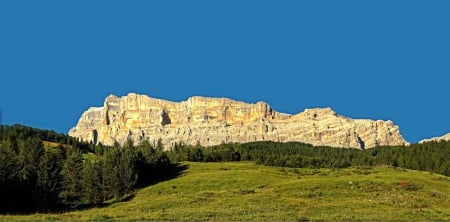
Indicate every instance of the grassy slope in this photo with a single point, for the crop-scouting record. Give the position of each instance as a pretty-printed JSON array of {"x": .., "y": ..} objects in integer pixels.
[
  {"x": 245, "y": 191},
  {"x": 48, "y": 144}
]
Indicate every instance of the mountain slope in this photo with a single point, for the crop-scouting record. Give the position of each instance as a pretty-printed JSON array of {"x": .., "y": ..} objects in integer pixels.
[
  {"x": 211, "y": 121},
  {"x": 445, "y": 137},
  {"x": 247, "y": 192}
]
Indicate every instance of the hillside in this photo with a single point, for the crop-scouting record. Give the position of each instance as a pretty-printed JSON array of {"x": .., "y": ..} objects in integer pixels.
[
  {"x": 245, "y": 191},
  {"x": 42, "y": 171}
]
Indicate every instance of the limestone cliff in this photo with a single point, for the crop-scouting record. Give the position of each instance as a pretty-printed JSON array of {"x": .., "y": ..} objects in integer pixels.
[
  {"x": 437, "y": 139},
  {"x": 212, "y": 121}
]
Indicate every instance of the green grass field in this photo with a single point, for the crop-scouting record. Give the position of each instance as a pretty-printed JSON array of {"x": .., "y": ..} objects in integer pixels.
[{"x": 245, "y": 191}]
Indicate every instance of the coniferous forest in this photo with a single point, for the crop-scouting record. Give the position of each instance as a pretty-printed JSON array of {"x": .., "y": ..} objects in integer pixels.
[
  {"x": 71, "y": 174},
  {"x": 430, "y": 156}
]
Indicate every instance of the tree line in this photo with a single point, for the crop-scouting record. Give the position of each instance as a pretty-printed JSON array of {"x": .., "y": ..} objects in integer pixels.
[
  {"x": 431, "y": 156},
  {"x": 72, "y": 174}
]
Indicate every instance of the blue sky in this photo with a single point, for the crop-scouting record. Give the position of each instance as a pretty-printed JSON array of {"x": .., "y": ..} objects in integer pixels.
[{"x": 365, "y": 59}]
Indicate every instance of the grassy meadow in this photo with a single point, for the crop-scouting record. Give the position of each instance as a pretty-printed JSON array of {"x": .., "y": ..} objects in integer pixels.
[{"x": 245, "y": 191}]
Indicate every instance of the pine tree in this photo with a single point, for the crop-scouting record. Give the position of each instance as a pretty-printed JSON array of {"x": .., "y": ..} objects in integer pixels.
[
  {"x": 8, "y": 177},
  {"x": 127, "y": 170},
  {"x": 159, "y": 145},
  {"x": 92, "y": 183},
  {"x": 71, "y": 180},
  {"x": 120, "y": 171},
  {"x": 48, "y": 180},
  {"x": 30, "y": 152}
]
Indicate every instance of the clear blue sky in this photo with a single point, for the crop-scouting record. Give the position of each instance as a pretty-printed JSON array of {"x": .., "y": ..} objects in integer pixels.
[{"x": 365, "y": 59}]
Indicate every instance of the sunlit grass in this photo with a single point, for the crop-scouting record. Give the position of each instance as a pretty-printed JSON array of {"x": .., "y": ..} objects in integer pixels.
[
  {"x": 48, "y": 144},
  {"x": 245, "y": 191}
]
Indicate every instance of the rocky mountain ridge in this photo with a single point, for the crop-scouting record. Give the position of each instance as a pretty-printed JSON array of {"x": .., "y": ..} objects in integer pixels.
[
  {"x": 445, "y": 137},
  {"x": 212, "y": 121}
]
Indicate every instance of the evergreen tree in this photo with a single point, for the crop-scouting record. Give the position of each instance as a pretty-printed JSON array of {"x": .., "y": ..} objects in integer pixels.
[
  {"x": 120, "y": 171},
  {"x": 71, "y": 180},
  {"x": 8, "y": 163},
  {"x": 8, "y": 178},
  {"x": 111, "y": 182},
  {"x": 128, "y": 170},
  {"x": 159, "y": 145},
  {"x": 48, "y": 180},
  {"x": 92, "y": 183},
  {"x": 99, "y": 149},
  {"x": 30, "y": 151}
]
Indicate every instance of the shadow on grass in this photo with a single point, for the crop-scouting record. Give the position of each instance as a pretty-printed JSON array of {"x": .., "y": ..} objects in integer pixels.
[
  {"x": 148, "y": 178},
  {"x": 166, "y": 173}
]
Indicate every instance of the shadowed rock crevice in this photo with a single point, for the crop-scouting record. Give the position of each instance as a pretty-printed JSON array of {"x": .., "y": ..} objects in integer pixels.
[
  {"x": 362, "y": 145},
  {"x": 94, "y": 136},
  {"x": 165, "y": 119}
]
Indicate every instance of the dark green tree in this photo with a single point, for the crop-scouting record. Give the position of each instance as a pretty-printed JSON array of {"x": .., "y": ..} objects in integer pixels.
[
  {"x": 159, "y": 145},
  {"x": 92, "y": 183},
  {"x": 8, "y": 179},
  {"x": 30, "y": 151},
  {"x": 72, "y": 174},
  {"x": 119, "y": 171},
  {"x": 49, "y": 180}
]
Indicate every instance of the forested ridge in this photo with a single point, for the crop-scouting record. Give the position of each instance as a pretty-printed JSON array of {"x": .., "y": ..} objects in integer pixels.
[
  {"x": 72, "y": 174},
  {"x": 75, "y": 174},
  {"x": 431, "y": 156}
]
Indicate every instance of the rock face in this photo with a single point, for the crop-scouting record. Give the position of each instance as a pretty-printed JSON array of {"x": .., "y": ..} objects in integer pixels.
[
  {"x": 213, "y": 121},
  {"x": 444, "y": 137}
]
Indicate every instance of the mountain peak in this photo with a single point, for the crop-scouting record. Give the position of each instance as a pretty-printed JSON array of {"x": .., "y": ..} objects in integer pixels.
[
  {"x": 212, "y": 121},
  {"x": 437, "y": 139}
]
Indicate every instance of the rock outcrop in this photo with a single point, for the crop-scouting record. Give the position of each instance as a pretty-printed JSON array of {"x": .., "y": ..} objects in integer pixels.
[
  {"x": 445, "y": 137},
  {"x": 213, "y": 121}
]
